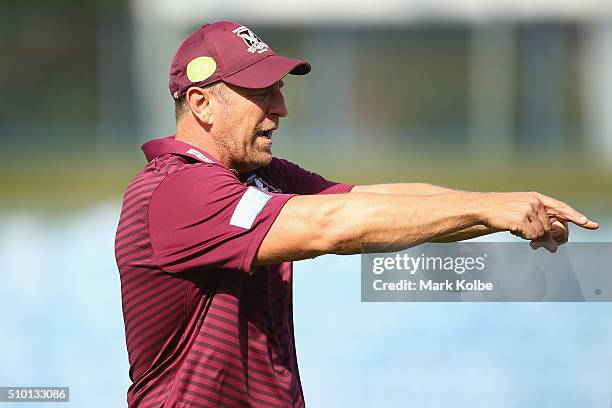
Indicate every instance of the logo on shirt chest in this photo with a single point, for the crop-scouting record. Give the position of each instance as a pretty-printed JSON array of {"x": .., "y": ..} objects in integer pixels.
[{"x": 256, "y": 181}]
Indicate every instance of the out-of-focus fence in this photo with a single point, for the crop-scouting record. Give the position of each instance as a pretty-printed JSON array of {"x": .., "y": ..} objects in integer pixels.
[{"x": 414, "y": 90}]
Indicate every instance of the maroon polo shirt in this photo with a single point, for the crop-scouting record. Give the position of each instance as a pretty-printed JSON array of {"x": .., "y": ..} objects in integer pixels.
[{"x": 203, "y": 328}]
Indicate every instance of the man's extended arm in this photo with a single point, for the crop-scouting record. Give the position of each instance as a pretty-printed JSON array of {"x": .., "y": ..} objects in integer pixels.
[
  {"x": 426, "y": 189},
  {"x": 313, "y": 225},
  {"x": 403, "y": 188}
]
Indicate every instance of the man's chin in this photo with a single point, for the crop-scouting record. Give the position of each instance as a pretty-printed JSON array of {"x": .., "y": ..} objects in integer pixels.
[
  {"x": 264, "y": 159},
  {"x": 261, "y": 160}
]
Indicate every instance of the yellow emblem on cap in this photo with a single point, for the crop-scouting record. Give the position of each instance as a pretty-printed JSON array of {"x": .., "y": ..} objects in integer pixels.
[{"x": 201, "y": 68}]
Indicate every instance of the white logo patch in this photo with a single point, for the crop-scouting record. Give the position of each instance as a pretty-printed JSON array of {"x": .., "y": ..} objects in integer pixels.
[
  {"x": 249, "y": 206},
  {"x": 261, "y": 184},
  {"x": 251, "y": 40},
  {"x": 199, "y": 155}
]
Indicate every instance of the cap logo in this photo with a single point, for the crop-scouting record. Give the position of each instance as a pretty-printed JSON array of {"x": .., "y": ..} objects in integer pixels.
[
  {"x": 253, "y": 42},
  {"x": 201, "y": 68}
]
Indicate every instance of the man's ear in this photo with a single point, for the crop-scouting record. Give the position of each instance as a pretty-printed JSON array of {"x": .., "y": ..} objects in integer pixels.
[{"x": 202, "y": 105}]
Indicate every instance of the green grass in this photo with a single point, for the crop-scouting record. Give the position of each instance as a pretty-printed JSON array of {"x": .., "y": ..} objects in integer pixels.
[{"x": 77, "y": 181}]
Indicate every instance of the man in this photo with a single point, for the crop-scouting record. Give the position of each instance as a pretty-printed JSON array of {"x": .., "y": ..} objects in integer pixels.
[{"x": 211, "y": 224}]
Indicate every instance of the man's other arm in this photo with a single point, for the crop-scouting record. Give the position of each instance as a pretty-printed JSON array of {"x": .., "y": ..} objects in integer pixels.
[{"x": 403, "y": 188}]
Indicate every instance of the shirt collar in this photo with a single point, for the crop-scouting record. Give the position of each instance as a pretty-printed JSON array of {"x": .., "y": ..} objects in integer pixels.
[{"x": 157, "y": 147}]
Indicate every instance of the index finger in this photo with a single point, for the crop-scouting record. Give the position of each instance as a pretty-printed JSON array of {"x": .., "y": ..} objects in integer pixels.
[
  {"x": 567, "y": 213},
  {"x": 591, "y": 225}
]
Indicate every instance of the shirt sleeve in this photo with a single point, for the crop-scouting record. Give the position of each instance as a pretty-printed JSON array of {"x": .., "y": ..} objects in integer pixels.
[
  {"x": 204, "y": 217},
  {"x": 296, "y": 180}
]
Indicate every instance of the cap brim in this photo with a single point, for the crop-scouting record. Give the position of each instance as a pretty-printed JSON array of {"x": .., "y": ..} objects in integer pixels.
[{"x": 267, "y": 71}]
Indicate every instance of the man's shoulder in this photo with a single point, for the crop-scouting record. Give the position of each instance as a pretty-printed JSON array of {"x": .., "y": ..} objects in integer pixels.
[
  {"x": 194, "y": 181},
  {"x": 278, "y": 168},
  {"x": 168, "y": 167},
  {"x": 171, "y": 164}
]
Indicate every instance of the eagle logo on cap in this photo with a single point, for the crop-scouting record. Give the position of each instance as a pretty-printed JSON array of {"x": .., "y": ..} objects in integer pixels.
[{"x": 251, "y": 40}]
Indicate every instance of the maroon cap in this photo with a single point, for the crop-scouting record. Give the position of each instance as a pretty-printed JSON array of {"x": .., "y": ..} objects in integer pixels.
[{"x": 229, "y": 52}]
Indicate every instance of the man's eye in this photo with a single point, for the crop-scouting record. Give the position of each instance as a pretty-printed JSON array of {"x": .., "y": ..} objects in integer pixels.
[{"x": 260, "y": 95}]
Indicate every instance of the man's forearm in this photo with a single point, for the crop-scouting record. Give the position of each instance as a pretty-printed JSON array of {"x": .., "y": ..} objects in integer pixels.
[
  {"x": 313, "y": 225},
  {"x": 426, "y": 189},
  {"x": 402, "y": 188},
  {"x": 404, "y": 220},
  {"x": 467, "y": 233}
]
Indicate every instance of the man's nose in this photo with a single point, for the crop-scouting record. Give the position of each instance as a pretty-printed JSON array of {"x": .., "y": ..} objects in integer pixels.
[{"x": 277, "y": 103}]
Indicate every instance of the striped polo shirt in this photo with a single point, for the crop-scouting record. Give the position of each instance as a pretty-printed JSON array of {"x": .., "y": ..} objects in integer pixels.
[{"x": 203, "y": 327}]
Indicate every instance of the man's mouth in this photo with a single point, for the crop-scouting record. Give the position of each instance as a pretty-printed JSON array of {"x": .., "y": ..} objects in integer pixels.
[{"x": 267, "y": 134}]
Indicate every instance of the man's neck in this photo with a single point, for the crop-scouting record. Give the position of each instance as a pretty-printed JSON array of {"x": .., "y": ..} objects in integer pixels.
[{"x": 201, "y": 142}]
